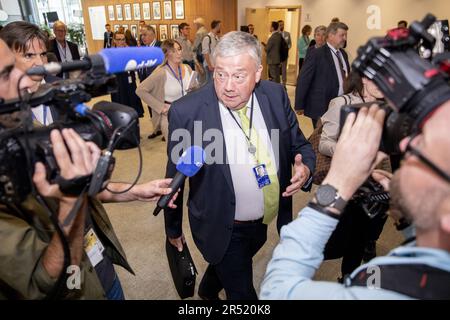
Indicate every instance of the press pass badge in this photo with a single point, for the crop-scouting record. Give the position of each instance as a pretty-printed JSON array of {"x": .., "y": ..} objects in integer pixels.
[
  {"x": 93, "y": 247},
  {"x": 261, "y": 175}
]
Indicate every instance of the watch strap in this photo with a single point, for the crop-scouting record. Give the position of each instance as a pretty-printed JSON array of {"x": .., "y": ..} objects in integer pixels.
[{"x": 319, "y": 208}]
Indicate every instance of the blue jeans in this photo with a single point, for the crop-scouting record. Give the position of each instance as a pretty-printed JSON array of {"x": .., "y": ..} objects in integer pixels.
[{"x": 116, "y": 292}]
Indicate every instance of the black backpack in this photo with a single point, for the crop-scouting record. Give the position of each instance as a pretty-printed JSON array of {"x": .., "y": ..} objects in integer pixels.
[{"x": 284, "y": 50}]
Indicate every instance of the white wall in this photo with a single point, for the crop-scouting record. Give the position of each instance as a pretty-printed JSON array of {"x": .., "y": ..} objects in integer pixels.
[
  {"x": 354, "y": 13},
  {"x": 11, "y": 7}
]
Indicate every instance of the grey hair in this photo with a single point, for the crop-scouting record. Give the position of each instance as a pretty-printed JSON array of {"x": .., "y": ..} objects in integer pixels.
[
  {"x": 320, "y": 28},
  {"x": 334, "y": 26},
  {"x": 238, "y": 42}
]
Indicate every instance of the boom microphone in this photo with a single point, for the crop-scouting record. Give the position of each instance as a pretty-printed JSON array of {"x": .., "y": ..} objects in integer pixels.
[
  {"x": 110, "y": 60},
  {"x": 188, "y": 165}
]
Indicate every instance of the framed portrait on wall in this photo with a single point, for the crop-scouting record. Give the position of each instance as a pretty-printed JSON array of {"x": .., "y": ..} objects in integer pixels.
[
  {"x": 111, "y": 15},
  {"x": 174, "y": 32},
  {"x": 163, "y": 33},
  {"x": 137, "y": 11},
  {"x": 134, "y": 30},
  {"x": 125, "y": 27},
  {"x": 157, "y": 10},
  {"x": 146, "y": 11},
  {"x": 116, "y": 27},
  {"x": 119, "y": 12},
  {"x": 179, "y": 9},
  {"x": 127, "y": 9},
  {"x": 155, "y": 27},
  {"x": 168, "y": 10}
]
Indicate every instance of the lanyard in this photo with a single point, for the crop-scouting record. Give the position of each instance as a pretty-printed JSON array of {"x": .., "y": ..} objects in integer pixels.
[
  {"x": 180, "y": 80},
  {"x": 64, "y": 55},
  {"x": 251, "y": 147}
]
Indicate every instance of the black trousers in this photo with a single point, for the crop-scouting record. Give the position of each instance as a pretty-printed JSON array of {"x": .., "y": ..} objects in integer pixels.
[
  {"x": 353, "y": 232},
  {"x": 235, "y": 272},
  {"x": 300, "y": 64}
]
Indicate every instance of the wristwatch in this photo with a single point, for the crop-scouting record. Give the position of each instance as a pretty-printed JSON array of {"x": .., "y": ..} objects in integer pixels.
[{"x": 327, "y": 196}]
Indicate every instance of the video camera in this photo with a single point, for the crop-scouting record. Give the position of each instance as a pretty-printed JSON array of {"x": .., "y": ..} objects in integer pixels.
[
  {"x": 109, "y": 125},
  {"x": 412, "y": 86}
]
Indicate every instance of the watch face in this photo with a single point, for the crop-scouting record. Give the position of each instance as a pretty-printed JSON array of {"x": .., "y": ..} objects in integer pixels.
[{"x": 326, "y": 195}]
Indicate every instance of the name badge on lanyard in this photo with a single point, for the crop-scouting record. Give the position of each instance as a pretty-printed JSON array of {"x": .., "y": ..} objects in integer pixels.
[{"x": 261, "y": 175}]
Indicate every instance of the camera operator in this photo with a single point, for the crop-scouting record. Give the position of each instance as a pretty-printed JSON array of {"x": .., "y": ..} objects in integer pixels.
[
  {"x": 29, "y": 44},
  {"x": 420, "y": 189},
  {"x": 31, "y": 252}
]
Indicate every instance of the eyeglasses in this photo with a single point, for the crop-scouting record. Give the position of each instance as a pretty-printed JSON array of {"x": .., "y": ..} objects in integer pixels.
[
  {"x": 238, "y": 78},
  {"x": 414, "y": 151}
]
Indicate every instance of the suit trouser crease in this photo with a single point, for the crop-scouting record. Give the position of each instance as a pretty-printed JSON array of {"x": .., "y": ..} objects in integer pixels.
[{"x": 234, "y": 272}]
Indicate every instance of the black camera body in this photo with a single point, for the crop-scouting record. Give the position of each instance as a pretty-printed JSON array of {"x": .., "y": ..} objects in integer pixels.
[
  {"x": 24, "y": 145},
  {"x": 412, "y": 86}
]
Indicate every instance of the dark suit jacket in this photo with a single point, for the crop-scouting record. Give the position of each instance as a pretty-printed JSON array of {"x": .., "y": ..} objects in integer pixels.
[
  {"x": 318, "y": 82},
  {"x": 273, "y": 48},
  {"x": 72, "y": 47},
  {"x": 73, "y": 50},
  {"x": 108, "y": 39},
  {"x": 211, "y": 201},
  {"x": 146, "y": 72}
]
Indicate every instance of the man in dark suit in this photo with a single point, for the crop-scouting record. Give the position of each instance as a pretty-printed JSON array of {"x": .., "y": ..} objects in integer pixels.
[
  {"x": 148, "y": 38},
  {"x": 323, "y": 74},
  {"x": 273, "y": 48},
  {"x": 29, "y": 45},
  {"x": 248, "y": 179},
  {"x": 64, "y": 50},
  {"x": 108, "y": 37},
  {"x": 126, "y": 82}
]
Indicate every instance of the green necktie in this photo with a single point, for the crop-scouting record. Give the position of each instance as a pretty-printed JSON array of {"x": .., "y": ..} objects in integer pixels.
[{"x": 271, "y": 192}]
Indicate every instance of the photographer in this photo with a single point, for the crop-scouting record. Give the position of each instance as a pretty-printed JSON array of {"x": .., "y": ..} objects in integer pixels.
[
  {"x": 354, "y": 231},
  {"x": 420, "y": 190},
  {"x": 32, "y": 253}
]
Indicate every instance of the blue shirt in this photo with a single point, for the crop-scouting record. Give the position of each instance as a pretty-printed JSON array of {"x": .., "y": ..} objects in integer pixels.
[{"x": 300, "y": 253}]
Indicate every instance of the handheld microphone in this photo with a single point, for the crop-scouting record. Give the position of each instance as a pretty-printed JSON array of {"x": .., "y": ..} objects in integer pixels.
[
  {"x": 110, "y": 60},
  {"x": 188, "y": 165}
]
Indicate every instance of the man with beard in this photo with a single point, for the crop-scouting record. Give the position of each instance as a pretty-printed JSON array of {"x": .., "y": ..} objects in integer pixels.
[{"x": 420, "y": 191}]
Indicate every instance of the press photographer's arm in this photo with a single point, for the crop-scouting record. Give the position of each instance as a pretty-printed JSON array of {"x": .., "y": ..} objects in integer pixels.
[{"x": 300, "y": 252}]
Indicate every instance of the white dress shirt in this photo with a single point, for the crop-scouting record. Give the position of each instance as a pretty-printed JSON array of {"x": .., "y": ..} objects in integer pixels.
[
  {"x": 64, "y": 53},
  {"x": 249, "y": 198},
  {"x": 338, "y": 68},
  {"x": 42, "y": 113}
]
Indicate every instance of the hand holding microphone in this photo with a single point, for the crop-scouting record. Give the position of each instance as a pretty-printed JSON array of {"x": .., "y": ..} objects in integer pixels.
[{"x": 188, "y": 165}]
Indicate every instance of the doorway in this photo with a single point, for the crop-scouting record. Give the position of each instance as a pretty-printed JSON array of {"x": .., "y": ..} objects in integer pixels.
[{"x": 261, "y": 19}]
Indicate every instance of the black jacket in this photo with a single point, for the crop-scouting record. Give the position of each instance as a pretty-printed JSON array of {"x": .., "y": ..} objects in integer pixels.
[
  {"x": 72, "y": 47},
  {"x": 108, "y": 39},
  {"x": 318, "y": 82},
  {"x": 144, "y": 73},
  {"x": 211, "y": 201}
]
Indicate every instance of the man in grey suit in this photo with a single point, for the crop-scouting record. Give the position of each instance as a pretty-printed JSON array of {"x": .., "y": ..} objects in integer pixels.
[
  {"x": 273, "y": 52},
  {"x": 287, "y": 37}
]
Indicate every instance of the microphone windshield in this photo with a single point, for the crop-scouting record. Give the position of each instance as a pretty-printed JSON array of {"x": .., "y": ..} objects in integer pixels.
[
  {"x": 191, "y": 161},
  {"x": 131, "y": 58}
]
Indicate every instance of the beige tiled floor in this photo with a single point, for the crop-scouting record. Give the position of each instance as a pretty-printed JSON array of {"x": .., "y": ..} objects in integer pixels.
[{"x": 142, "y": 235}]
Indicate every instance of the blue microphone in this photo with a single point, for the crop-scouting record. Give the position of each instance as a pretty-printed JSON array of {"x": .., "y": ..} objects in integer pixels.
[
  {"x": 111, "y": 60},
  {"x": 188, "y": 165}
]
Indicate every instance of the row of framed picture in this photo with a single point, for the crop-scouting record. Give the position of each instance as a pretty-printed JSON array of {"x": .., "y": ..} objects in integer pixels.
[
  {"x": 163, "y": 30},
  {"x": 116, "y": 12}
]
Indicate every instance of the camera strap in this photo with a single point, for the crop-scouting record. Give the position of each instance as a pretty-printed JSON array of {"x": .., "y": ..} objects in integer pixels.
[{"x": 418, "y": 281}]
